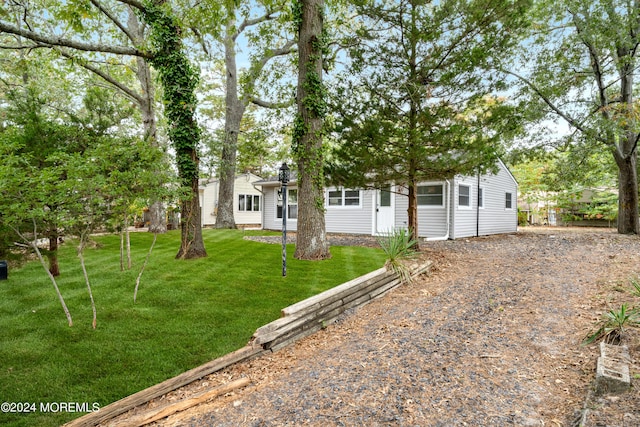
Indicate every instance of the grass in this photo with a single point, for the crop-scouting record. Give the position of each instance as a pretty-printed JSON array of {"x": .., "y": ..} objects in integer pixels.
[{"x": 187, "y": 313}]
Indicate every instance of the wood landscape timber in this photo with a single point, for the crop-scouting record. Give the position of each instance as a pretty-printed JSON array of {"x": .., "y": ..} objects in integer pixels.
[
  {"x": 314, "y": 313},
  {"x": 300, "y": 320},
  {"x": 123, "y": 405},
  {"x": 172, "y": 408}
]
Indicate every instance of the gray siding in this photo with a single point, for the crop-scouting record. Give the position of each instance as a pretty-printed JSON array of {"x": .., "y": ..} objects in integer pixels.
[
  {"x": 351, "y": 219},
  {"x": 494, "y": 218},
  {"x": 270, "y": 222},
  {"x": 432, "y": 220},
  {"x": 464, "y": 218}
]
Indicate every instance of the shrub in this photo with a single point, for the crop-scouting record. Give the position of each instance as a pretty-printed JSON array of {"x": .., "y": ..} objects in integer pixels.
[{"x": 398, "y": 247}]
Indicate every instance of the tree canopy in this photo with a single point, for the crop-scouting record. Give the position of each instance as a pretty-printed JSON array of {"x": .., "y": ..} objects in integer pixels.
[
  {"x": 582, "y": 63},
  {"x": 416, "y": 102}
]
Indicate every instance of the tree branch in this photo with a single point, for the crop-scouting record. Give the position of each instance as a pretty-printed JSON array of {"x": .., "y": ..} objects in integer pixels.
[
  {"x": 595, "y": 64},
  {"x": 251, "y": 22},
  {"x": 113, "y": 19},
  {"x": 133, "y": 3},
  {"x": 105, "y": 76},
  {"x": 59, "y": 41},
  {"x": 573, "y": 122},
  {"x": 266, "y": 104},
  {"x": 258, "y": 66}
]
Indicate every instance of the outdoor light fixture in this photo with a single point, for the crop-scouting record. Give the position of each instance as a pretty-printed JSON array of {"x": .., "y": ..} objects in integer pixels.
[{"x": 283, "y": 176}]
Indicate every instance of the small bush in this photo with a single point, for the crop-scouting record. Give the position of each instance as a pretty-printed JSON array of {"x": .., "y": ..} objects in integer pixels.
[
  {"x": 614, "y": 324},
  {"x": 398, "y": 247}
]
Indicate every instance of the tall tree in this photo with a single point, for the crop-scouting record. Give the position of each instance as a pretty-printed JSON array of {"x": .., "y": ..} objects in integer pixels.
[
  {"x": 307, "y": 142},
  {"x": 262, "y": 24},
  {"x": 583, "y": 60},
  {"x": 417, "y": 103},
  {"x": 168, "y": 55}
]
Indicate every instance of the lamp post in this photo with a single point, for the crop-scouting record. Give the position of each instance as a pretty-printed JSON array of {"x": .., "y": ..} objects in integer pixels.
[{"x": 283, "y": 177}]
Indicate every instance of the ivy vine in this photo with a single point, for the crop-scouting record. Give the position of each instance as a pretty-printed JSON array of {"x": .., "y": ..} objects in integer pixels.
[{"x": 179, "y": 81}]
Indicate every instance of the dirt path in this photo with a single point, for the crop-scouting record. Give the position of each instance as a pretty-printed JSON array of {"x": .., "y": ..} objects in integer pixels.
[{"x": 491, "y": 338}]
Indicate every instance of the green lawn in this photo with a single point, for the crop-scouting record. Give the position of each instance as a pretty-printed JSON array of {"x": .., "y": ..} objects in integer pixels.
[{"x": 187, "y": 313}]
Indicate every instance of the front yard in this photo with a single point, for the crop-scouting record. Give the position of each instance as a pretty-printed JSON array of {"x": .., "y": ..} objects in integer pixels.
[{"x": 187, "y": 313}]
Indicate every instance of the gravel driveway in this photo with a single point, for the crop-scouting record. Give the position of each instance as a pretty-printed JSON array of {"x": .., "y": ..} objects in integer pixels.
[{"x": 492, "y": 337}]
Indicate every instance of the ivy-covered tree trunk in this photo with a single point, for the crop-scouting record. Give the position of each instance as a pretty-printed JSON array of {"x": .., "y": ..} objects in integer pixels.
[
  {"x": 179, "y": 81},
  {"x": 311, "y": 241}
]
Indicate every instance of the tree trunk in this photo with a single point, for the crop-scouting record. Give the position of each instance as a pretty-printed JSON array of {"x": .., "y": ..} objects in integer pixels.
[
  {"x": 412, "y": 213},
  {"x": 233, "y": 116},
  {"x": 179, "y": 81},
  {"x": 627, "y": 195},
  {"x": 157, "y": 218},
  {"x": 52, "y": 254},
  {"x": 191, "y": 244},
  {"x": 626, "y": 154},
  {"x": 311, "y": 241},
  {"x": 157, "y": 211}
]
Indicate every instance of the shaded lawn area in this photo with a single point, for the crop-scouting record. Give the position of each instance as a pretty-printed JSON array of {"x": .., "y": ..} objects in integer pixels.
[{"x": 187, "y": 313}]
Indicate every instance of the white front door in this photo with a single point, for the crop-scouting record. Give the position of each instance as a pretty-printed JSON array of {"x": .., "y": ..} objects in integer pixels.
[{"x": 385, "y": 217}]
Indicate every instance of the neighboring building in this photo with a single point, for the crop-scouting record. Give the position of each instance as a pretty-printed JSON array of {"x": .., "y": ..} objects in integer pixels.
[
  {"x": 447, "y": 209},
  {"x": 247, "y": 201},
  {"x": 588, "y": 207}
]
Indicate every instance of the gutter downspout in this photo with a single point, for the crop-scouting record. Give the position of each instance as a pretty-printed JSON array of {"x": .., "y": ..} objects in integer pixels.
[
  {"x": 478, "y": 208},
  {"x": 446, "y": 236},
  {"x": 262, "y": 203}
]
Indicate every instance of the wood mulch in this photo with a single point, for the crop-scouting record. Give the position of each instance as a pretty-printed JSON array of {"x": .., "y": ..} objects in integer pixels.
[{"x": 492, "y": 337}]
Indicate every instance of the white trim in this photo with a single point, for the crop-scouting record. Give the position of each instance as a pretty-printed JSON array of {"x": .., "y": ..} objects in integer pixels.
[
  {"x": 505, "y": 201},
  {"x": 376, "y": 206},
  {"x": 275, "y": 205},
  {"x": 343, "y": 198},
  {"x": 432, "y": 184},
  {"x": 447, "y": 195},
  {"x": 252, "y": 196},
  {"x": 470, "y": 205}
]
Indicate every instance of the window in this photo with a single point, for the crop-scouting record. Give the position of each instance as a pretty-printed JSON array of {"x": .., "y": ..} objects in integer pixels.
[
  {"x": 464, "y": 196},
  {"x": 385, "y": 196},
  {"x": 335, "y": 198},
  {"x": 248, "y": 203},
  {"x": 508, "y": 202},
  {"x": 480, "y": 197},
  {"x": 343, "y": 198},
  {"x": 430, "y": 195},
  {"x": 292, "y": 204}
]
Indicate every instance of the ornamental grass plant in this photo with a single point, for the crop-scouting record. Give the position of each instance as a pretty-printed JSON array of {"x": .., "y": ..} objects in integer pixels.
[{"x": 398, "y": 246}]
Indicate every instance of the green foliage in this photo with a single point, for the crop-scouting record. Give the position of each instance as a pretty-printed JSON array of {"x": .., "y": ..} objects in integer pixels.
[
  {"x": 179, "y": 81},
  {"x": 296, "y": 13},
  {"x": 635, "y": 287},
  {"x": 315, "y": 100},
  {"x": 203, "y": 315},
  {"x": 416, "y": 102},
  {"x": 398, "y": 246},
  {"x": 582, "y": 63},
  {"x": 614, "y": 324}
]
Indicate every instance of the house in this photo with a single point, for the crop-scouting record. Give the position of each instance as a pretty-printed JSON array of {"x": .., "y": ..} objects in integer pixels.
[
  {"x": 588, "y": 207},
  {"x": 247, "y": 206},
  {"x": 447, "y": 209}
]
